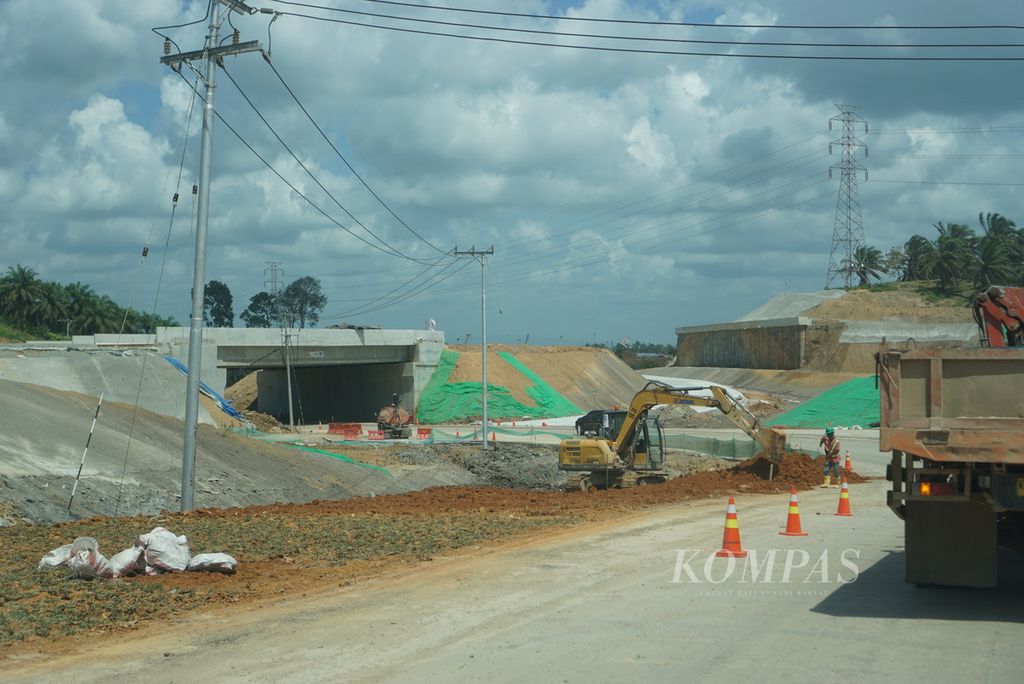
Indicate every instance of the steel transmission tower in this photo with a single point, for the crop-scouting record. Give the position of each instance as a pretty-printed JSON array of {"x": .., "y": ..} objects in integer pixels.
[{"x": 848, "y": 233}]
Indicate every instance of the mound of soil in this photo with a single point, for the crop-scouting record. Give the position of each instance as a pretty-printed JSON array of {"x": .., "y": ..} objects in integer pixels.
[{"x": 797, "y": 470}]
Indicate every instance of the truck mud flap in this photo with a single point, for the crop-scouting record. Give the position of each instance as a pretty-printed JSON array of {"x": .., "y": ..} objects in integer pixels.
[{"x": 951, "y": 543}]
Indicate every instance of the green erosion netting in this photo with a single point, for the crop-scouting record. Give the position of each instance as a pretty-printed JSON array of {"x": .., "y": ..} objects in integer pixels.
[
  {"x": 853, "y": 403},
  {"x": 342, "y": 457},
  {"x": 448, "y": 402},
  {"x": 741, "y": 447}
]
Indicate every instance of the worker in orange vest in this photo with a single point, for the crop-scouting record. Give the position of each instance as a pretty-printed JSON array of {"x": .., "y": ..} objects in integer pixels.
[{"x": 830, "y": 445}]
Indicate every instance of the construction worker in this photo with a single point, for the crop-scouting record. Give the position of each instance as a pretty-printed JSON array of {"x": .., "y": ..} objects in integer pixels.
[{"x": 830, "y": 445}]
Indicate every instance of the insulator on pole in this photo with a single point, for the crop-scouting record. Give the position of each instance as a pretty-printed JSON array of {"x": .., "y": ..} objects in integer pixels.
[
  {"x": 167, "y": 46},
  {"x": 195, "y": 189},
  {"x": 174, "y": 200},
  {"x": 145, "y": 251},
  {"x": 234, "y": 37}
]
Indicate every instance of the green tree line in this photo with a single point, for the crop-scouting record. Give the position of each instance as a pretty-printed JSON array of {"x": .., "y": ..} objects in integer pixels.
[
  {"x": 956, "y": 256},
  {"x": 49, "y": 308}
]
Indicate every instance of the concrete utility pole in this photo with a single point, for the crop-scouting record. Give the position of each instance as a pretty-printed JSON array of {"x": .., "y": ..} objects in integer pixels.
[
  {"x": 481, "y": 255},
  {"x": 288, "y": 375},
  {"x": 212, "y": 54}
]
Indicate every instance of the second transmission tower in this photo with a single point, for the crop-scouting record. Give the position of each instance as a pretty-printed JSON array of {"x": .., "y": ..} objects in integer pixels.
[{"x": 848, "y": 233}]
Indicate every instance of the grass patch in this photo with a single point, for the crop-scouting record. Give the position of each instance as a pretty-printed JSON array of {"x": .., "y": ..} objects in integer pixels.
[
  {"x": 47, "y": 604},
  {"x": 12, "y": 334}
]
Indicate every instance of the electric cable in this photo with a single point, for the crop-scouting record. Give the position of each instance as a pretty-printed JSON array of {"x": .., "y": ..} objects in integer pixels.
[
  {"x": 342, "y": 157},
  {"x": 298, "y": 192},
  {"x": 674, "y": 23},
  {"x": 600, "y": 36},
  {"x": 650, "y": 51},
  {"x": 305, "y": 168},
  {"x": 156, "y": 297}
]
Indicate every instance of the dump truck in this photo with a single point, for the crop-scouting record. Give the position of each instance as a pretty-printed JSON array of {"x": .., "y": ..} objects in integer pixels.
[
  {"x": 635, "y": 453},
  {"x": 954, "y": 422}
]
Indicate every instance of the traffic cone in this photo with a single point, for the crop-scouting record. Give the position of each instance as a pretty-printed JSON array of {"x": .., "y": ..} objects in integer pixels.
[
  {"x": 849, "y": 464},
  {"x": 731, "y": 534},
  {"x": 494, "y": 436},
  {"x": 793, "y": 519},
  {"x": 844, "y": 500}
]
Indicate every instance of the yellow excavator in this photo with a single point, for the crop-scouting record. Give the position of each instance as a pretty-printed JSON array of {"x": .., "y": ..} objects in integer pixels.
[{"x": 636, "y": 453}]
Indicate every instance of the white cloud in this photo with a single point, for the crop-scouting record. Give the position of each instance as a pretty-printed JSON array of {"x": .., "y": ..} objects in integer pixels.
[{"x": 598, "y": 177}]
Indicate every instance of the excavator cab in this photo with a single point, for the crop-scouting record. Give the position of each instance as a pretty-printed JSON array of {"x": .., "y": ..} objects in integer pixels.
[{"x": 647, "y": 451}]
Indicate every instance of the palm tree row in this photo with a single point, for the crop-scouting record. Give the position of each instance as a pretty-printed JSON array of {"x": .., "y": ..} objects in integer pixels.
[
  {"x": 48, "y": 306},
  {"x": 957, "y": 255}
]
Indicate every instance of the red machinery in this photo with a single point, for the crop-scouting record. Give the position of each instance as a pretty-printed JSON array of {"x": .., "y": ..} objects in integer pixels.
[{"x": 999, "y": 312}]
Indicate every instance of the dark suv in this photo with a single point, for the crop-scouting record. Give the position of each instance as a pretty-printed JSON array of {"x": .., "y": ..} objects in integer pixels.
[{"x": 601, "y": 423}]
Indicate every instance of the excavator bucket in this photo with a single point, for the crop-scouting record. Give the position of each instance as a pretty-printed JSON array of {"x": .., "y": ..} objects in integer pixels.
[{"x": 773, "y": 441}]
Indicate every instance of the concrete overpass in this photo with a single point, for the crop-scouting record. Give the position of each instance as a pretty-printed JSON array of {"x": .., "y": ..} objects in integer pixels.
[{"x": 337, "y": 374}]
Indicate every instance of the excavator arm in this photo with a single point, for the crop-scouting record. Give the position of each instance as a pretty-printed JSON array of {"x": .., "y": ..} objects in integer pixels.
[
  {"x": 999, "y": 312},
  {"x": 772, "y": 440}
]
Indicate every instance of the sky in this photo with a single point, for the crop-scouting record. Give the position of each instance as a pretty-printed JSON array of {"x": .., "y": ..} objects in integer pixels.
[{"x": 624, "y": 194}]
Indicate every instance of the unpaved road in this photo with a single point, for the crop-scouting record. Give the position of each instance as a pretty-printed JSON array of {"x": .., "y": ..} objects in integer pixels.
[{"x": 599, "y": 604}]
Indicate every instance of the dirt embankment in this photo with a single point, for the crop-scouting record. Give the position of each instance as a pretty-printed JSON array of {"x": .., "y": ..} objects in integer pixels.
[
  {"x": 904, "y": 303},
  {"x": 588, "y": 377}
]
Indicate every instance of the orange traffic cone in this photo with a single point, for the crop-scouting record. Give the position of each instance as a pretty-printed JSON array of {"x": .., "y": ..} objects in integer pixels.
[
  {"x": 844, "y": 500},
  {"x": 731, "y": 534},
  {"x": 458, "y": 434},
  {"x": 849, "y": 464},
  {"x": 793, "y": 519},
  {"x": 494, "y": 436}
]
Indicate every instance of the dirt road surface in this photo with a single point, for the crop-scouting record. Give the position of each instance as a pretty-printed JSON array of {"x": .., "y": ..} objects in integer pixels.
[{"x": 599, "y": 603}]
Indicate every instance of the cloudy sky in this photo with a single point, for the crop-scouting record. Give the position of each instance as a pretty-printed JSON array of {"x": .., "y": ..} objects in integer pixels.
[{"x": 624, "y": 193}]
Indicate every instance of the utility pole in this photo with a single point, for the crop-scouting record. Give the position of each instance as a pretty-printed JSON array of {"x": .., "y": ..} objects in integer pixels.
[
  {"x": 848, "y": 233},
  {"x": 67, "y": 326},
  {"x": 212, "y": 54},
  {"x": 481, "y": 255},
  {"x": 288, "y": 374}
]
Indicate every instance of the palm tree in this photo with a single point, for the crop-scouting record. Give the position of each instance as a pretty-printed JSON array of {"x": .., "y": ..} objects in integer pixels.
[
  {"x": 996, "y": 224},
  {"x": 920, "y": 255},
  {"x": 954, "y": 257},
  {"x": 995, "y": 261},
  {"x": 866, "y": 263},
  {"x": 51, "y": 306},
  {"x": 20, "y": 287},
  {"x": 98, "y": 315}
]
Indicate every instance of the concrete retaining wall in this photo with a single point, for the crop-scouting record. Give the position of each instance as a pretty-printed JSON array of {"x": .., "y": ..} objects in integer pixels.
[{"x": 776, "y": 344}]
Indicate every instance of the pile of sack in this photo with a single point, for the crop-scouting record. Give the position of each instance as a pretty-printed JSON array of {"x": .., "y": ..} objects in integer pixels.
[{"x": 154, "y": 553}]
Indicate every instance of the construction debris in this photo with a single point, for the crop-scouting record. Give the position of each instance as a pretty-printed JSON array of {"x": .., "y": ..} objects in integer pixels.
[{"x": 154, "y": 553}]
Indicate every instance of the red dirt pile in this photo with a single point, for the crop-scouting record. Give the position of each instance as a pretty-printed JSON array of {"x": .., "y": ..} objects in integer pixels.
[{"x": 796, "y": 470}]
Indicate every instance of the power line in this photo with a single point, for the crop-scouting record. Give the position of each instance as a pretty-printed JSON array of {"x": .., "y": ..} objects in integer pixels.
[
  {"x": 306, "y": 169},
  {"x": 925, "y": 182},
  {"x": 668, "y": 23},
  {"x": 647, "y": 51},
  {"x": 949, "y": 156},
  {"x": 652, "y": 39},
  {"x": 296, "y": 190},
  {"x": 366, "y": 185},
  {"x": 928, "y": 131}
]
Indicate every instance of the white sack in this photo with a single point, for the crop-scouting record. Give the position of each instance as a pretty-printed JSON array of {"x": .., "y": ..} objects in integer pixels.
[
  {"x": 86, "y": 561},
  {"x": 164, "y": 551},
  {"x": 213, "y": 562},
  {"x": 55, "y": 558},
  {"x": 127, "y": 562}
]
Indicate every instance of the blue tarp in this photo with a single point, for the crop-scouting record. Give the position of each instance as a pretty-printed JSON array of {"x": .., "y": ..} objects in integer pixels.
[{"x": 222, "y": 403}]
